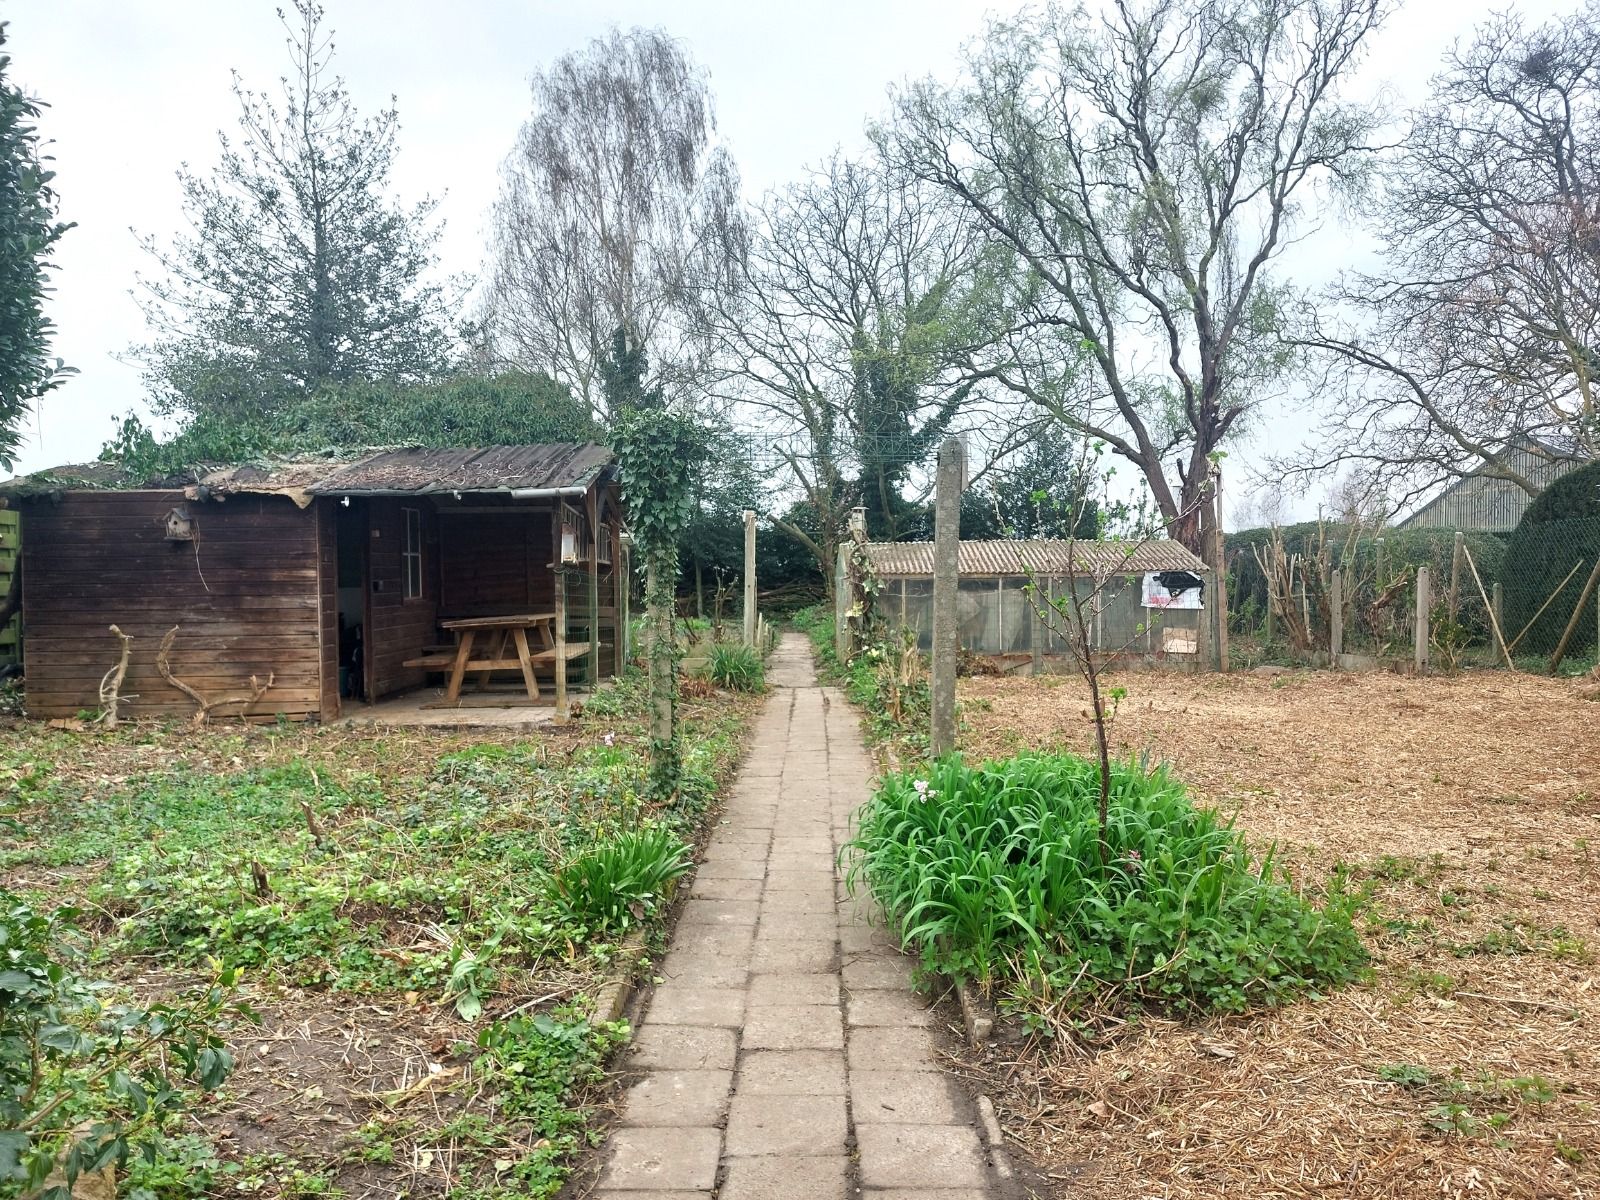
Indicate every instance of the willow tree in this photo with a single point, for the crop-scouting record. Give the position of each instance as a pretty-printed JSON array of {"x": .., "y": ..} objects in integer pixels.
[
  {"x": 660, "y": 453},
  {"x": 1150, "y": 162},
  {"x": 612, "y": 190}
]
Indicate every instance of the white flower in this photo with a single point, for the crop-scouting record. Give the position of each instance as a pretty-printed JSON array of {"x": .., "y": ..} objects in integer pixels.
[{"x": 610, "y": 739}]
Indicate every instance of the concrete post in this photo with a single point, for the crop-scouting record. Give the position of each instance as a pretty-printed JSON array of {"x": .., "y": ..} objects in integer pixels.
[
  {"x": 1497, "y": 606},
  {"x": 1336, "y": 599},
  {"x": 1424, "y": 601},
  {"x": 946, "y": 574},
  {"x": 749, "y": 578},
  {"x": 1220, "y": 565},
  {"x": 841, "y": 607},
  {"x": 1456, "y": 553}
]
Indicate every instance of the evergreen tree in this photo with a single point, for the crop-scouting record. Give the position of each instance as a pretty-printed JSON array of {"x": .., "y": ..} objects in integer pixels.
[
  {"x": 28, "y": 234},
  {"x": 301, "y": 270}
]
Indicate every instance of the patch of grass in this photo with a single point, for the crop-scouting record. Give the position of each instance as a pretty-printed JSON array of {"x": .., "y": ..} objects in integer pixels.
[{"x": 994, "y": 873}]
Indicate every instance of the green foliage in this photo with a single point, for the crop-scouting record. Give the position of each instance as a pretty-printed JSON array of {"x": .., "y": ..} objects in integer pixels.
[
  {"x": 85, "y": 1083},
  {"x": 993, "y": 873},
  {"x": 660, "y": 453},
  {"x": 300, "y": 270},
  {"x": 737, "y": 667},
  {"x": 509, "y": 409},
  {"x": 1043, "y": 493},
  {"x": 615, "y": 884},
  {"x": 1560, "y": 530},
  {"x": 29, "y": 233},
  {"x": 540, "y": 1067}
]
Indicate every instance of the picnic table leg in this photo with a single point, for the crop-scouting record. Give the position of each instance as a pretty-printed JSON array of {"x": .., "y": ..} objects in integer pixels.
[
  {"x": 547, "y": 637},
  {"x": 520, "y": 636},
  {"x": 457, "y": 672},
  {"x": 495, "y": 655}
]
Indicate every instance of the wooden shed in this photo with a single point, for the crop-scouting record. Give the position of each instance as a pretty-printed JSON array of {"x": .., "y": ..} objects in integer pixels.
[
  {"x": 1147, "y": 598},
  {"x": 332, "y": 577}
]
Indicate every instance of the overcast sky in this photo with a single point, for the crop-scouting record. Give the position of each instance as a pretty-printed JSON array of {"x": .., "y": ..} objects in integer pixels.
[{"x": 136, "y": 88}]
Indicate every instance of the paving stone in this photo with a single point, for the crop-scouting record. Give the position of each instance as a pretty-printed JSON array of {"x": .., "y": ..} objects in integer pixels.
[
  {"x": 799, "y": 1126},
  {"x": 718, "y": 850},
  {"x": 793, "y": 1027},
  {"x": 791, "y": 1073},
  {"x": 684, "y": 1047},
  {"x": 609, "y": 1194},
  {"x": 808, "y": 955},
  {"x": 781, "y": 880},
  {"x": 646, "y": 1159},
  {"x": 708, "y": 970},
  {"x": 698, "y": 1098},
  {"x": 725, "y": 889},
  {"x": 811, "y": 844},
  {"x": 901, "y": 1098},
  {"x": 891, "y": 1048},
  {"x": 916, "y": 1194},
  {"x": 886, "y": 1008},
  {"x": 738, "y": 831},
  {"x": 686, "y": 1003},
  {"x": 789, "y": 987},
  {"x": 797, "y": 926},
  {"x": 732, "y": 870},
  {"x": 785, "y": 1179},
  {"x": 867, "y": 971},
  {"x": 720, "y": 941},
  {"x": 920, "y": 1156},
  {"x": 817, "y": 900},
  {"x": 864, "y": 939},
  {"x": 720, "y": 912}
]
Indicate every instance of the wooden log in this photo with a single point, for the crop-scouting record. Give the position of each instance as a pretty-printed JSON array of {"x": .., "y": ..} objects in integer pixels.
[
  {"x": 1494, "y": 621},
  {"x": 1577, "y": 615}
]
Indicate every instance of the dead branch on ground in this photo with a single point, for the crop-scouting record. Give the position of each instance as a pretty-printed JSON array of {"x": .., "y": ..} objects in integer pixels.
[
  {"x": 203, "y": 707},
  {"x": 111, "y": 682}
]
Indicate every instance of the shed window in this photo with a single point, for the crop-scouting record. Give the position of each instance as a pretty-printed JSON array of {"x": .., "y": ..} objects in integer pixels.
[{"x": 411, "y": 559}]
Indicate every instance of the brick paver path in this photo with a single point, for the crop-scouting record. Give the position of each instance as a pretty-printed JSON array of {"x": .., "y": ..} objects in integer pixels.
[{"x": 784, "y": 1054}]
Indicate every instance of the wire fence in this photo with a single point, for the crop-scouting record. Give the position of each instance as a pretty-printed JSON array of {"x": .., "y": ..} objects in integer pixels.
[{"x": 1532, "y": 596}]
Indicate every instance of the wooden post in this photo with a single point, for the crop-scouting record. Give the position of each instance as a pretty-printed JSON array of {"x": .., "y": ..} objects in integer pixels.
[
  {"x": 1220, "y": 566},
  {"x": 841, "y": 607},
  {"x": 1577, "y": 615},
  {"x": 561, "y": 636},
  {"x": 1272, "y": 607},
  {"x": 1336, "y": 642},
  {"x": 624, "y": 600},
  {"x": 1420, "y": 635},
  {"x": 946, "y": 577},
  {"x": 749, "y": 577},
  {"x": 593, "y": 512},
  {"x": 903, "y": 607},
  {"x": 1497, "y": 612},
  {"x": 1458, "y": 546},
  {"x": 1036, "y": 602}
]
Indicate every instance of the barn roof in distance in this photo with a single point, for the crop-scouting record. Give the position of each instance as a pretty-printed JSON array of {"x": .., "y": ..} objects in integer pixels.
[
  {"x": 1042, "y": 556},
  {"x": 550, "y": 468}
]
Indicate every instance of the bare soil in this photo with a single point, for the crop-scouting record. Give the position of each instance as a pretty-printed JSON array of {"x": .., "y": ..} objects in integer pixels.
[{"x": 1469, "y": 1065}]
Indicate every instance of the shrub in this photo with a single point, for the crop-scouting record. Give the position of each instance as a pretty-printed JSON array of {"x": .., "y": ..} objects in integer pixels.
[
  {"x": 994, "y": 874},
  {"x": 1560, "y": 530},
  {"x": 737, "y": 668},
  {"x": 618, "y": 882}
]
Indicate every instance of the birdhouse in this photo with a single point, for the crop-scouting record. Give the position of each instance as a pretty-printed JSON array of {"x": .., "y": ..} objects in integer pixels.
[{"x": 180, "y": 525}]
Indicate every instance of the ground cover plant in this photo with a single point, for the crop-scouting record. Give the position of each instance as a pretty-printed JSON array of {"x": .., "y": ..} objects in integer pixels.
[
  {"x": 997, "y": 874},
  {"x": 1467, "y": 1063},
  {"x": 418, "y": 919}
]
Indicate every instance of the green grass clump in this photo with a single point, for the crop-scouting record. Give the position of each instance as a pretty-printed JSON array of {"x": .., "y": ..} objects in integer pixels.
[
  {"x": 618, "y": 882},
  {"x": 737, "y": 668},
  {"x": 994, "y": 873}
]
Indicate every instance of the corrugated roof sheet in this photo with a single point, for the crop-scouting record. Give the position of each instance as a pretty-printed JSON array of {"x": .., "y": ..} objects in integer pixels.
[
  {"x": 1041, "y": 556},
  {"x": 405, "y": 472},
  {"x": 490, "y": 469}
]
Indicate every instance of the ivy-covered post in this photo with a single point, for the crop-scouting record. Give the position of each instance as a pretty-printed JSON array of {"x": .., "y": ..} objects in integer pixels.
[{"x": 660, "y": 453}]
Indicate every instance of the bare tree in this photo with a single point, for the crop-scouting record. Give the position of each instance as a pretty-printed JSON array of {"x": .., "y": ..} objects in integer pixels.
[
  {"x": 1474, "y": 348},
  {"x": 614, "y": 191},
  {"x": 1150, "y": 166},
  {"x": 865, "y": 297}
]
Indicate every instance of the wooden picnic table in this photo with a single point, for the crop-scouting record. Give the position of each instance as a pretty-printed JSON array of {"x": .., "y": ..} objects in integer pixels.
[{"x": 496, "y": 632}]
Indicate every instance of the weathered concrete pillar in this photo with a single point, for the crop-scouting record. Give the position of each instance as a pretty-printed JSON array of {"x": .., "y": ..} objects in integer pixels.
[
  {"x": 1336, "y": 604},
  {"x": 749, "y": 577},
  {"x": 1424, "y": 600},
  {"x": 946, "y": 574}
]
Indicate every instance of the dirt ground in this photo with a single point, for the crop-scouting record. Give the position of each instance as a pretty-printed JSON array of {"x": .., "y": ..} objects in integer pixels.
[{"x": 1469, "y": 1065}]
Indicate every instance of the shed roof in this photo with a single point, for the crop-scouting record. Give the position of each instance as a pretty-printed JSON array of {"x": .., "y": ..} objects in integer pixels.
[
  {"x": 1041, "y": 556},
  {"x": 557, "y": 467}
]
